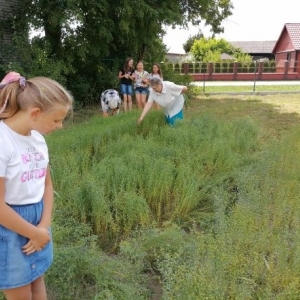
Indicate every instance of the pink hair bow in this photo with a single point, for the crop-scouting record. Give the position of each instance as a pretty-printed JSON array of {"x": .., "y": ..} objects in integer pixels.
[{"x": 11, "y": 77}]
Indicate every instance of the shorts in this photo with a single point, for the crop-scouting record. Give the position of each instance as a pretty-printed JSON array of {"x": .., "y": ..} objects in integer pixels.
[
  {"x": 16, "y": 268},
  {"x": 141, "y": 90},
  {"x": 171, "y": 120},
  {"x": 126, "y": 89}
]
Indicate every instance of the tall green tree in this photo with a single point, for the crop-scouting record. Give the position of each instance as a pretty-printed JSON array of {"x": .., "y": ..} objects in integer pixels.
[
  {"x": 86, "y": 40},
  {"x": 118, "y": 27}
]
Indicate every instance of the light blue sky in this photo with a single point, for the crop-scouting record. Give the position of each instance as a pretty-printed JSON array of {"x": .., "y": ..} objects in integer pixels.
[{"x": 251, "y": 20}]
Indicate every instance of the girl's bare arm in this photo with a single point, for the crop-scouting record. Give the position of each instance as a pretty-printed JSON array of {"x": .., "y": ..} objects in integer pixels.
[
  {"x": 14, "y": 222},
  {"x": 48, "y": 202}
]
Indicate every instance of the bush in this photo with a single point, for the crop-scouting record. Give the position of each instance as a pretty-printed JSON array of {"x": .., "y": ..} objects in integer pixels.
[{"x": 107, "y": 190}]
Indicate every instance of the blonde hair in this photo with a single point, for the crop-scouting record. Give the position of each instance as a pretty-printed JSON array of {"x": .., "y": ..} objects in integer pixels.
[{"x": 41, "y": 92}]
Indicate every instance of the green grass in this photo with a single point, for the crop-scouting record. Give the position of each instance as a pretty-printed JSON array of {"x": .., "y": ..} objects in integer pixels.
[
  {"x": 205, "y": 210},
  {"x": 206, "y": 89}
]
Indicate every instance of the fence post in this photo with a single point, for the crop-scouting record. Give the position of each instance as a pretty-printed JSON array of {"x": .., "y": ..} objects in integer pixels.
[
  {"x": 254, "y": 83},
  {"x": 210, "y": 70},
  {"x": 185, "y": 68},
  {"x": 203, "y": 87},
  {"x": 285, "y": 69},
  {"x": 235, "y": 69},
  {"x": 260, "y": 70}
]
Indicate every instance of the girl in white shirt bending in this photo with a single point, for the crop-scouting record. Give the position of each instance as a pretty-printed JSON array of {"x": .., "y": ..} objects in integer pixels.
[{"x": 169, "y": 96}]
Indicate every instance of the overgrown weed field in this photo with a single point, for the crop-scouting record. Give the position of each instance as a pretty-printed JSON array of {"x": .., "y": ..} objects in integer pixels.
[{"x": 208, "y": 209}]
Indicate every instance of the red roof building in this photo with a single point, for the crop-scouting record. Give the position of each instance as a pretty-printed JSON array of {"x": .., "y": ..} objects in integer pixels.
[{"x": 287, "y": 48}]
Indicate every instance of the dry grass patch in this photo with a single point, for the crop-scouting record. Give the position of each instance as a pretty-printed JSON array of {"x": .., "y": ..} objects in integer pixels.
[
  {"x": 285, "y": 103},
  {"x": 274, "y": 114}
]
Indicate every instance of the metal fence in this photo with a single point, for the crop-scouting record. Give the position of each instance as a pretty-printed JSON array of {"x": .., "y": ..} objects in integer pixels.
[
  {"x": 231, "y": 67},
  {"x": 236, "y": 71},
  {"x": 248, "y": 87}
]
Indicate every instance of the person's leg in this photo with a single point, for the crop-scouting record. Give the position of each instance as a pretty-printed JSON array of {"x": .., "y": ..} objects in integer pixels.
[
  {"x": 168, "y": 120},
  {"x": 20, "y": 293},
  {"x": 38, "y": 289},
  {"x": 138, "y": 97},
  {"x": 125, "y": 102},
  {"x": 123, "y": 91},
  {"x": 143, "y": 99},
  {"x": 171, "y": 121},
  {"x": 129, "y": 96}
]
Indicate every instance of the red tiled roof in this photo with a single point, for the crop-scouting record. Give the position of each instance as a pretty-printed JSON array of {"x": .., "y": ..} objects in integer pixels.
[{"x": 293, "y": 30}]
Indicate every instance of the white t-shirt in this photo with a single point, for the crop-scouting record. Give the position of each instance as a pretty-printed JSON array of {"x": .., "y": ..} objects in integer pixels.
[
  {"x": 23, "y": 164},
  {"x": 170, "y": 98},
  {"x": 139, "y": 76},
  {"x": 155, "y": 75}
]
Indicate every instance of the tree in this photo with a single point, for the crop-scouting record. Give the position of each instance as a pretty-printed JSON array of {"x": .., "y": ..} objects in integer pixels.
[
  {"x": 121, "y": 26},
  {"x": 13, "y": 28},
  {"x": 190, "y": 41},
  {"x": 91, "y": 38},
  {"x": 210, "y": 50}
]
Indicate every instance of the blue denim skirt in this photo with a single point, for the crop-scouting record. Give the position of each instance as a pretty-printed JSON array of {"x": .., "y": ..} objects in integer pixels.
[{"x": 16, "y": 268}]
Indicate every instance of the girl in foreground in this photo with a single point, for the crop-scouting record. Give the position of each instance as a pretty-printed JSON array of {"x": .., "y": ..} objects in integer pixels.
[{"x": 28, "y": 110}]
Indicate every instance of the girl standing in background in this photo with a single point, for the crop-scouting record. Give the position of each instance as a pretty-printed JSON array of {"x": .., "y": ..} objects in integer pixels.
[
  {"x": 156, "y": 72},
  {"x": 141, "y": 85},
  {"x": 126, "y": 76}
]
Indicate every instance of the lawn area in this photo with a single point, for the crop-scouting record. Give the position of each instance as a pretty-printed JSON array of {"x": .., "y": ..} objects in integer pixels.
[
  {"x": 257, "y": 88},
  {"x": 274, "y": 113},
  {"x": 208, "y": 209}
]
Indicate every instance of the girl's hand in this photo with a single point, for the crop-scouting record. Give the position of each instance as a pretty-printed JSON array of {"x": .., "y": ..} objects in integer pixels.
[{"x": 37, "y": 242}]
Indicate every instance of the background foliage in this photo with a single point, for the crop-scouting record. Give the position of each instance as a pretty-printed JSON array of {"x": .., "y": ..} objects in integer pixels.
[
  {"x": 210, "y": 50},
  {"x": 83, "y": 43}
]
